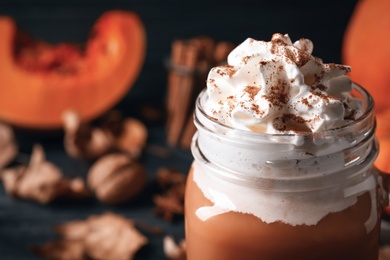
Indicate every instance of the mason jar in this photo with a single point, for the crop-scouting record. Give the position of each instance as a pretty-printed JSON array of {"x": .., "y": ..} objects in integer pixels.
[{"x": 253, "y": 195}]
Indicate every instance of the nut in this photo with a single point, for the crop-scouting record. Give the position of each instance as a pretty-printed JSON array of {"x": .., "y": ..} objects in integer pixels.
[
  {"x": 133, "y": 137},
  {"x": 84, "y": 141},
  {"x": 116, "y": 178}
]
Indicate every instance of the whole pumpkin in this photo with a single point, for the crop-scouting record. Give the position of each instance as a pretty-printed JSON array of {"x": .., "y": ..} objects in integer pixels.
[
  {"x": 366, "y": 48},
  {"x": 39, "y": 81}
]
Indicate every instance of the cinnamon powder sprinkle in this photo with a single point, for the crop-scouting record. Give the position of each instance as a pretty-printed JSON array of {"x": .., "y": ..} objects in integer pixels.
[
  {"x": 226, "y": 70},
  {"x": 277, "y": 96},
  {"x": 256, "y": 108},
  {"x": 252, "y": 91},
  {"x": 302, "y": 58},
  {"x": 291, "y": 122},
  {"x": 212, "y": 83},
  {"x": 340, "y": 67},
  {"x": 245, "y": 59},
  {"x": 321, "y": 87},
  {"x": 290, "y": 55},
  {"x": 322, "y": 96},
  {"x": 304, "y": 47},
  {"x": 306, "y": 102}
]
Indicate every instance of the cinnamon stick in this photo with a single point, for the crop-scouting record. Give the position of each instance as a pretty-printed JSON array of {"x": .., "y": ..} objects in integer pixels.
[
  {"x": 190, "y": 63},
  {"x": 183, "y": 96}
]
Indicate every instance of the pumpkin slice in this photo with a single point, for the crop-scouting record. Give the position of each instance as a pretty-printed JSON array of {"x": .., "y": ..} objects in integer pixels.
[{"x": 39, "y": 81}]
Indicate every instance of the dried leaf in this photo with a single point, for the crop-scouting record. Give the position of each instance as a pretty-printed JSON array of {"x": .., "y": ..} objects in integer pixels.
[
  {"x": 113, "y": 237},
  {"x": 11, "y": 177},
  {"x": 73, "y": 230},
  {"x": 40, "y": 180},
  {"x": 105, "y": 237},
  {"x": 60, "y": 250}
]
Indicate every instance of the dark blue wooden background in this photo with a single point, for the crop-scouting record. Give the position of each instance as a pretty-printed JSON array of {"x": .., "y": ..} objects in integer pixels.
[{"x": 25, "y": 223}]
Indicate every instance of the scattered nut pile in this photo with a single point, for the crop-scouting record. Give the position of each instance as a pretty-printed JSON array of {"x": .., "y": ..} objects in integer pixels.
[{"x": 114, "y": 148}]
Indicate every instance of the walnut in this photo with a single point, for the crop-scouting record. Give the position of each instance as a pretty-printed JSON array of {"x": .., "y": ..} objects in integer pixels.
[
  {"x": 130, "y": 134},
  {"x": 113, "y": 134},
  {"x": 105, "y": 237},
  {"x": 84, "y": 141},
  {"x": 116, "y": 178},
  {"x": 40, "y": 180},
  {"x": 133, "y": 137},
  {"x": 8, "y": 148}
]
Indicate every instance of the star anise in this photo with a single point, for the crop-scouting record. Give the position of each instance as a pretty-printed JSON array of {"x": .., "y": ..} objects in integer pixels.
[{"x": 171, "y": 202}]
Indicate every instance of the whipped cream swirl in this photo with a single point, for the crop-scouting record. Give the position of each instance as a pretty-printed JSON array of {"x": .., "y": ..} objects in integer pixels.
[{"x": 279, "y": 87}]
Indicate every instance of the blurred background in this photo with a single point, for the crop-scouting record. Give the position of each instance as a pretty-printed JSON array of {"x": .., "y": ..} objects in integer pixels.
[
  {"x": 24, "y": 223},
  {"x": 323, "y": 22}
]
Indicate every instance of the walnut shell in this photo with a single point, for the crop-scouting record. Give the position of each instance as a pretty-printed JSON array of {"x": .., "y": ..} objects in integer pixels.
[
  {"x": 133, "y": 138},
  {"x": 84, "y": 141},
  {"x": 116, "y": 178}
]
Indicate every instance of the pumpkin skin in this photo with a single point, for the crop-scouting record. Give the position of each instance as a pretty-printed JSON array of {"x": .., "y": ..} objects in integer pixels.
[
  {"x": 35, "y": 93},
  {"x": 366, "y": 49}
]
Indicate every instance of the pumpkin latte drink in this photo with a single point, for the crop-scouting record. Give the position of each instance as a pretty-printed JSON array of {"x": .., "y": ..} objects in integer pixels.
[{"x": 283, "y": 160}]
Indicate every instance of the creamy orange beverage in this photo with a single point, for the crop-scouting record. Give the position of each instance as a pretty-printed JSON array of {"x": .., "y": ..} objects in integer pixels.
[{"x": 283, "y": 160}]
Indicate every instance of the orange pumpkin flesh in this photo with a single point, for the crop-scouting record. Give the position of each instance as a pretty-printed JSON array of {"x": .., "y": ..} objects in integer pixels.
[
  {"x": 366, "y": 48},
  {"x": 383, "y": 135},
  {"x": 39, "y": 81}
]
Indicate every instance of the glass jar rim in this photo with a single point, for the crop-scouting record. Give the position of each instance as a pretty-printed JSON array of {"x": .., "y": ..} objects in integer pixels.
[{"x": 204, "y": 119}]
